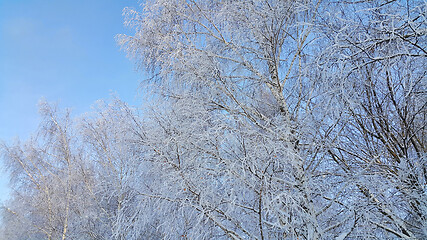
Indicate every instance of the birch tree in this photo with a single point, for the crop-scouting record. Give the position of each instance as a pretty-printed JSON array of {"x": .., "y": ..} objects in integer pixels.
[
  {"x": 253, "y": 63},
  {"x": 48, "y": 199},
  {"x": 378, "y": 56},
  {"x": 239, "y": 67}
]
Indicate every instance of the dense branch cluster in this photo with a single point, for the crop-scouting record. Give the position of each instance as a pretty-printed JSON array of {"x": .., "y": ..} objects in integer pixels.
[{"x": 265, "y": 119}]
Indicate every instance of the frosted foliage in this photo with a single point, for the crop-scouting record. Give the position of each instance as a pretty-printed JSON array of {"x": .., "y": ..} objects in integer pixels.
[{"x": 262, "y": 120}]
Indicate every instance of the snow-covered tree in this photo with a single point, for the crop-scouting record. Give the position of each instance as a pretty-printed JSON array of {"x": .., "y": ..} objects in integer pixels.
[
  {"x": 376, "y": 68},
  {"x": 264, "y": 119},
  {"x": 236, "y": 131},
  {"x": 334, "y": 91},
  {"x": 48, "y": 181}
]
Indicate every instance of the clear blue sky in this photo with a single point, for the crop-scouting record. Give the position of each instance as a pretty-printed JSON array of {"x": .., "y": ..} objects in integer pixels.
[{"x": 63, "y": 50}]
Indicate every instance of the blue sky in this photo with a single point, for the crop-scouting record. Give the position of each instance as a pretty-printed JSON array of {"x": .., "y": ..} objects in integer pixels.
[{"x": 64, "y": 51}]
